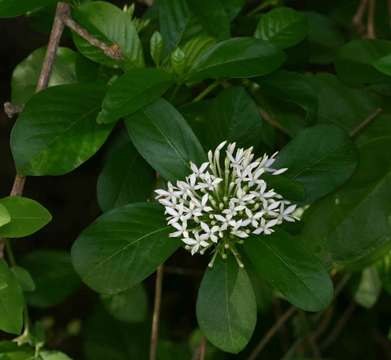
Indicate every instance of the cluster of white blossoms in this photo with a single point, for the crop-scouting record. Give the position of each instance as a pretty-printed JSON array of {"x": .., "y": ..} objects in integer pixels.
[{"x": 224, "y": 201}]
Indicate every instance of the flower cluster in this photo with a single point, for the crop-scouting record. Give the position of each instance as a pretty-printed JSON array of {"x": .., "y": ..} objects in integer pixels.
[{"x": 225, "y": 200}]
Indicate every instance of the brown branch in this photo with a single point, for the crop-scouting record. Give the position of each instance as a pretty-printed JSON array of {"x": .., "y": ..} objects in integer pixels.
[
  {"x": 272, "y": 331},
  {"x": 265, "y": 115},
  {"x": 43, "y": 81},
  {"x": 199, "y": 353},
  {"x": 11, "y": 110},
  {"x": 113, "y": 51},
  {"x": 341, "y": 323},
  {"x": 156, "y": 312},
  {"x": 366, "y": 122},
  {"x": 371, "y": 32},
  {"x": 359, "y": 16}
]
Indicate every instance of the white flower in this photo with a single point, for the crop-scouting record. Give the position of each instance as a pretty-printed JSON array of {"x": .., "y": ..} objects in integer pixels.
[{"x": 225, "y": 200}]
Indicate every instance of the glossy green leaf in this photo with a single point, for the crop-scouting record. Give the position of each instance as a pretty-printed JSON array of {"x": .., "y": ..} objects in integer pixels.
[
  {"x": 355, "y": 61},
  {"x": 354, "y": 222},
  {"x": 285, "y": 263},
  {"x": 383, "y": 65},
  {"x": 57, "y": 130},
  {"x": 125, "y": 178},
  {"x": 293, "y": 88},
  {"x": 54, "y": 277},
  {"x": 27, "y": 217},
  {"x": 369, "y": 288},
  {"x": 11, "y": 301},
  {"x": 122, "y": 247},
  {"x": 324, "y": 38},
  {"x": 113, "y": 26},
  {"x": 195, "y": 47},
  {"x": 322, "y": 158},
  {"x": 174, "y": 17},
  {"x": 5, "y": 217},
  {"x": 212, "y": 16},
  {"x": 53, "y": 355},
  {"x": 162, "y": 136},
  {"x": 133, "y": 91},
  {"x": 341, "y": 105},
  {"x": 12, "y": 8},
  {"x": 232, "y": 116},
  {"x": 226, "y": 306},
  {"x": 10, "y": 350},
  {"x": 237, "y": 58},
  {"x": 283, "y": 27},
  {"x": 24, "y": 278},
  {"x": 129, "y": 306},
  {"x": 26, "y": 73}
]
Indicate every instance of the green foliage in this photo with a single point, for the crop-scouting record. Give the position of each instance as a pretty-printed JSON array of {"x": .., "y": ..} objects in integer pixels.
[
  {"x": 26, "y": 217},
  {"x": 177, "y": 79},
  {"x": 226, "y": 306},
  {"x": 59, "y": 139}
]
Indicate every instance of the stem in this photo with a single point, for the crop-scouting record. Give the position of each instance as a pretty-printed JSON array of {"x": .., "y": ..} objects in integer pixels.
[
  {"x": 339, "y": 326},
  {"x": 10, "y": 254},
  {"x": 206, "y": 91},
  {"x": 359, "y": 15},
  {"x": 113, "y": 51},
  {"x": 265, "y": 115},
  {"x": 371, "y": 33},
  {"x": 156, "y": 312},
  {"x": 366, "y": 122},
  {"x": 272, "y": 331},
  {"x": 199, "y": 353}
]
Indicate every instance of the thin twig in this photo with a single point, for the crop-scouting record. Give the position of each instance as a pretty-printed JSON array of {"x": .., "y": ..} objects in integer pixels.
[
  {"x": 284, "y": 335},
  {"x": 366, "y": 122},
  {"x": 272, "y": 331},
  {"x": 54, "y": 42},
  {"x": 199, "y": 353},
  {"x": 156, "y": 312},
  {"x": 265, "y": 115},
  {"x": 43, "y": 81},
  {"x": 341, "y": 323},
  {"x": 359, "y": 16},
  {"x": 206, "y": 91},
  {"x": 113, "y": 51},
  {"x": 371, "y": 32},
  {"x": 11, "y": 110}
]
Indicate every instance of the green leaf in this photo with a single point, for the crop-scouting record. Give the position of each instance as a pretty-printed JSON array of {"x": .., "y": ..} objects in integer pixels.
[
  {"x": 12, "y": 8},
  {"x": 369, "y": 288},
  {"x": 322, "y": 158},
  {"x": 174, "y": 17},
  {"x": 113, "y": 26},
  {"x": 232, "y": 116},
  {"x": 283, "y": 27},
  {"x": 128, "y": 306},
  {"x": 10, "y": 350},
  {"x": 324, "y": 38},
  {"x": 133, "y": 91},
  {"x": 285, "y": 263},
  {"x": 341, "y": 105},
  {"x": 293, "y": 88},
  {"x": 289, "y": 188},
  {"x": 162, "y": 136},
  {"x": 125, "y": 178},
  {"x": 122, "y": 247},
  {"x": 355, "y": 61},
  {"x": 233, "y": 7},
  {"x": 383, "y": 65},
  {"x": 237, "y": 58},
  {"x": 27, "y": 217},
  {"x": 195, "y": 47},
  {"x": 11, "y": 301},
  {"x": 5, "y": 217},
  {"x": 354, "y": 222},
  {"x": 54, "y": 277},
  {"x": 26, "y": 73},
  {"x": 212, "y": 16},
  {"x": 57, "y": 130},
  {"x": 53, "y": 355},
  {"x": 24, "y": 278},
  {"x": 226, "y": 306}
]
